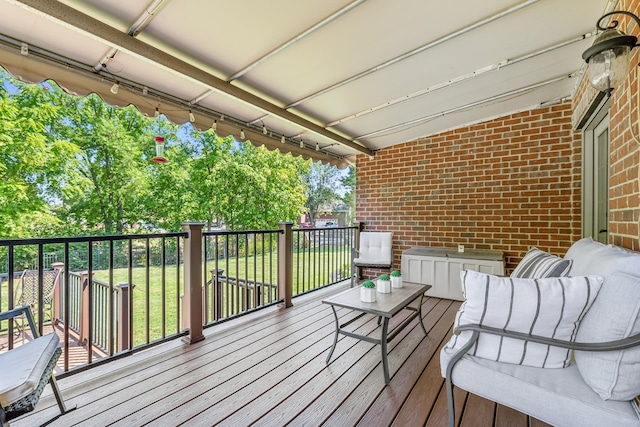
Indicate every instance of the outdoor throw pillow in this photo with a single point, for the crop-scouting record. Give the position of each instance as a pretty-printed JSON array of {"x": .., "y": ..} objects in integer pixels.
[
  {"x": 548, "y": 307},
  {"x": 615, "y": 315},
  {"x": 537, "y": 264}
]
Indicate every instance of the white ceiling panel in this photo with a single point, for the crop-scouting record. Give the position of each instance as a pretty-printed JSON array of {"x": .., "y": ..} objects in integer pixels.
[{"x": 325, "y": 72}]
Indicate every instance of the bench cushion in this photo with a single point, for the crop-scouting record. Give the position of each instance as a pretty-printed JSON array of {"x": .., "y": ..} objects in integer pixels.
[
  {"x": 23, "y": 366},
  {"x": 556, "y": 396},
  {"x": 614, "y": 315}
]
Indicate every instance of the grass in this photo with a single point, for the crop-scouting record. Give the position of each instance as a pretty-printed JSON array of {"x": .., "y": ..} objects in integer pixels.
[{"x": 156, "y": 300}]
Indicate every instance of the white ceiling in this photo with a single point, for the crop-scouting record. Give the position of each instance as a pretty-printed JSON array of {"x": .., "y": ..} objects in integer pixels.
[{"x": 350, "y": 76}]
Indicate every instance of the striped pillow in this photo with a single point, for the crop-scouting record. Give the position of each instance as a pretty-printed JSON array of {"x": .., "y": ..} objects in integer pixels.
[
  {"x": 550, "y": 307},
  {"x": 537, "y": 264}
]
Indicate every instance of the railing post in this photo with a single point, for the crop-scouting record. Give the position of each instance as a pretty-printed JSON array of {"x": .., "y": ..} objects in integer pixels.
[
  {"x": 57, "y": 292},
  {"x": 123, "y": 315},
  {"x": 192, "y": 314},
  {"x": 84, "y": 308},
  {"x": 285, "y": 263}
]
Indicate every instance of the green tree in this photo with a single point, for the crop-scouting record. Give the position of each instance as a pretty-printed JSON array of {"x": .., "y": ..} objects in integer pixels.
[
  {"x": 33, "y": 163},
  {"x": 255, "y": 188},
  {"x": 349, "y": 184},
  {"x": 321, "y": 182}
]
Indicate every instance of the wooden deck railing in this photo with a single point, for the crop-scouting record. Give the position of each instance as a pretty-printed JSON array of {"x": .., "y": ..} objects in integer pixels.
[{"x": 140, "y": 290}]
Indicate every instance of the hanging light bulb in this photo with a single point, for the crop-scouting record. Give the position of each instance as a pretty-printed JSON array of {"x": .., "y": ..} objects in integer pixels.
[
  {"x": 317, "y": 146},
  {"x": 301, "y": 144},
  {"x": 264, "y": 129},
  {"x": 214, "y": 125},
  {"x": 222, "y": 117},
  {"x": 115, "y": 88},
  {"x": 241, "y": 133},
  {"x": 157, "y": 112},
  {"x": 192, "y": 118},
  {"x": 282, "y": 139}
]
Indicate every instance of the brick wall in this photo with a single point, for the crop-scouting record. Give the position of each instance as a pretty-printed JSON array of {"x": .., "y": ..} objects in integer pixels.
[
  {"x": 506, "y": 184},
  {"x": 624, "y": 176}
]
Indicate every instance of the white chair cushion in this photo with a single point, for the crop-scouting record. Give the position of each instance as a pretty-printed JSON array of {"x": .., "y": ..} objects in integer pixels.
[
  {"x": 375, "y": 248},
  {"x": 549, "y": 307},
  {"x": 556, "y": 396},
  {"x": 23, "y": 366}
]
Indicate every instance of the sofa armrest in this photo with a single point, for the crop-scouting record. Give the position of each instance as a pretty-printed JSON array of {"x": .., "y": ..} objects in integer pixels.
[
  {"x": 25, "y": 310},
  {"x": 628, "y": 342}
]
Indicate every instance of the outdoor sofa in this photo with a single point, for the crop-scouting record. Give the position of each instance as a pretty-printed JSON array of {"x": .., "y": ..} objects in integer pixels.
[{"x": 563, "y": 350}]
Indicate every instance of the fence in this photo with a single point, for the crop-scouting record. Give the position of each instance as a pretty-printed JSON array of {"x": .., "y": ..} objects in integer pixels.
[{"x": 146, "y": 293}]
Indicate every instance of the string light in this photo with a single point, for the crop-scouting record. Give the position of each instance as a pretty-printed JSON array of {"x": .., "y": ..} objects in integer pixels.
[
  {"x": 241, "y": 133},
  {"x": 157, "y": 112},
  {"x": 317, "y": 146},
  {"x": 301, "y": 144},
  {"x": 192, "y": 118},
  {"x": 222, "y": 118},
  {"x": 214, "y": 125},
  {"x": 264, "y": 129},
  {"x": 282, "y": 139},
  {"x": 115, "y": 88}
]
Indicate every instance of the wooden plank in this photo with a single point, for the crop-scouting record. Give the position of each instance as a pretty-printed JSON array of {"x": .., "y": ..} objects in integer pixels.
[
  {"x": 508, "y": 417},
  {"x": 377, "y": 408},
  {"x": 439, "y": 416},
  {"x": 250, "y": 403},
  {"x": 478, "y": 412},
  {"x": 365, "y": 379}
]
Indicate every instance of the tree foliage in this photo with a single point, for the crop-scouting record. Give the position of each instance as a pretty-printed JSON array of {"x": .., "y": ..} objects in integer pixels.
[
  {"x": 71, "y": 165},
  {"x": 320, "y": 182}
]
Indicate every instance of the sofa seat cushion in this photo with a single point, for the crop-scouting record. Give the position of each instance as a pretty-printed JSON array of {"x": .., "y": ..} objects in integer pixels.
[
  {"x": 556, "y": 396},
  {"x": 23, "y": 366},
  {"x": 538, "y": 264},
  {"x": 550, "y": 307}
]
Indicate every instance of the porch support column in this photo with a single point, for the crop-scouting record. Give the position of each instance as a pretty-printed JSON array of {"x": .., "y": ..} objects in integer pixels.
[
  {"x": 57, "y": 292},
  {"x": 192, "y": 314},
  {"x": 285, "y": 263}
]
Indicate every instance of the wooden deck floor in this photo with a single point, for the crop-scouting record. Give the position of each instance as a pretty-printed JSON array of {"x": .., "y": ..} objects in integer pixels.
[{"x": 268, "y": 369}]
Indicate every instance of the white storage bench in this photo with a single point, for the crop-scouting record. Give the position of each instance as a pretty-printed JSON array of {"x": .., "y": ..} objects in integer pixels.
[{"x": 441, "y": 267}]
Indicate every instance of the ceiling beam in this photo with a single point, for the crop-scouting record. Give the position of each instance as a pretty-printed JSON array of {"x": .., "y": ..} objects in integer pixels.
[{"x": 98, "y": 30}]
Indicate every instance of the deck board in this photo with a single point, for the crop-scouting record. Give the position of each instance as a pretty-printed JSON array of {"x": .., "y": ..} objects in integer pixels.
[{"x": 269, "y": 369}]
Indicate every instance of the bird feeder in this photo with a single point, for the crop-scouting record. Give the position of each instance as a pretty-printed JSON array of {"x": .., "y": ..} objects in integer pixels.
[{"x": 159, "y": 158}]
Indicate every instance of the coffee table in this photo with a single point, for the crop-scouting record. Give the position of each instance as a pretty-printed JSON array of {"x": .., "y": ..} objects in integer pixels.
[{"x": 385, "y": 307}]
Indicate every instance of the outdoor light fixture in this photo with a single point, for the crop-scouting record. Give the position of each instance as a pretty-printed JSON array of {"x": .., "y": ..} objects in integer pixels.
[
  {"x": 264, "y": 130},
  {"x": 192, "y": 118},
  {"x": 608, "y": 57},
  {"x": 241, "y": 133},
  {"x": 317, "y": 147},
  {"x": 301, "y": 144},
  {"x": 157, "y": 112},
  {"x": 214, "y": 125},
  {"x": 282, "y": 139},
  {"x": 114, "y": 88}
]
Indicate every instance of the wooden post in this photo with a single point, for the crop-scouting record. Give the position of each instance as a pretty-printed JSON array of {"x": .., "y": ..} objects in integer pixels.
[
  {"x": 84, "y": 308},
  {"x": 123, "y": 315},
  {"x": 192, "y": 314},
  {"x": 57, "y": 292},
  {"x": 285, "y": 263}
]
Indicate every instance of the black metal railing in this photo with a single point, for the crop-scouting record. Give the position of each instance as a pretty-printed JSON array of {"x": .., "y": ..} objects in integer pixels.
[{"x": 131, "y": 294}]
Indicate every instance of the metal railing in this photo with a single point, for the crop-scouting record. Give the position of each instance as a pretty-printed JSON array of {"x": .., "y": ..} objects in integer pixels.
[{"x": 133, "y": 294}]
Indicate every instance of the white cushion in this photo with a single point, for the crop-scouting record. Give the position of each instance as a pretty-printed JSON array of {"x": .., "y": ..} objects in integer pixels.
[
  {"x": 537, "y": 264},
  {"x": 549, "y": 307},
  {"x": 375, "y": 248},
  {"x": 590, "y": 257},
  {"x": 23, "y": 366},
  {"x": 556, "y": 396}
]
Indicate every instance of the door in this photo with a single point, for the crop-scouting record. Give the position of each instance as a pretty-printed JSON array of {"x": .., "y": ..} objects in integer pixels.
[{"x": 595, "y": 213}]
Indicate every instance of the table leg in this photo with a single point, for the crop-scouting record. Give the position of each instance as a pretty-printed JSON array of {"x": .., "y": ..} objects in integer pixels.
[
  {"x": 335, "y": 338},
  {"x": 420, "y": 314},
  {"x": 383, "y": 344}
]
